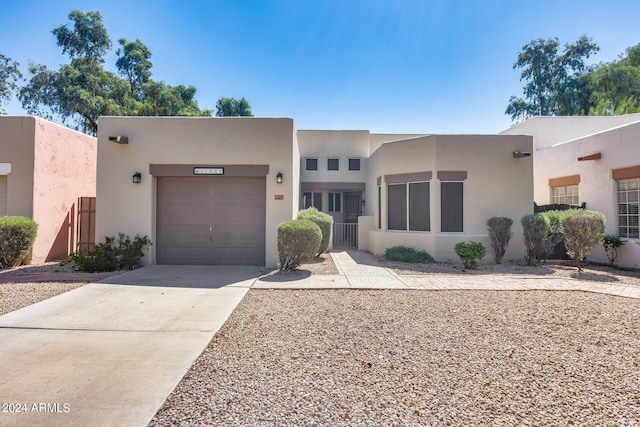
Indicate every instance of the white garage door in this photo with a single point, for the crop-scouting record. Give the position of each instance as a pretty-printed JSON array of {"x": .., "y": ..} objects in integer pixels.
[
  {"x": 211, "y": 220},
  {"x": 3, "y": 195}
]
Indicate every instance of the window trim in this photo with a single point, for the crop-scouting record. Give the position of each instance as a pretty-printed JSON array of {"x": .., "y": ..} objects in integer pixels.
[
  {"x": 408, "y": 215},
  {"x": 564, "y": 201},
  {"x": 627, "y": 215}
]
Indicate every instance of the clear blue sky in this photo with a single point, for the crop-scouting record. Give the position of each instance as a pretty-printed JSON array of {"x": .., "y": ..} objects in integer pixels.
[{"x": 405, "y": 66}]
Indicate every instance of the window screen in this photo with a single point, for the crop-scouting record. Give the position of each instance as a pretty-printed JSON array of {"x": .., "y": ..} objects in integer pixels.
[
  {"x": 354, "y": 164},
  {"x": 397, "y": 207},
  {"x": 451, "y": 203},
  {"x": 419, "y": 206},
  {"x": 312, "y": 164},
  {"x": 333, "y": 164}
]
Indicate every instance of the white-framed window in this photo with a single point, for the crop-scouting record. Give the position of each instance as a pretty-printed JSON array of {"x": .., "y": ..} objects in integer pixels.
[
  {"x": 312, "y": 200},
  {"x": 565, "y": 195},
  {"x": 354, "y": 164},
  {"x": 628, "y": 202},
  {"x": 333, "y": 164},
  {"x": 311, "y": 164},
  {"x": 408, "y": 206},
  {"x": 335, "y": 201}
]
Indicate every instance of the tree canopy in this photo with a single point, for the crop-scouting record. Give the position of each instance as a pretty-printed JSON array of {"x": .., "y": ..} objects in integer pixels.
[
  {"x": 229, "y": 107},
  {"x": 10, "y": 75},
  {"x": 83, "y": 90},
  {"x": 560, "y": 82}
]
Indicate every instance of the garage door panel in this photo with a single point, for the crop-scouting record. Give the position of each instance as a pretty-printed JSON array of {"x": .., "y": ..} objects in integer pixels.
[{"x": 233, "y": 206}]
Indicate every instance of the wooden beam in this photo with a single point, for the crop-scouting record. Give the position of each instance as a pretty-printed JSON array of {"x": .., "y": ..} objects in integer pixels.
[{"x": 595, "y": 156}]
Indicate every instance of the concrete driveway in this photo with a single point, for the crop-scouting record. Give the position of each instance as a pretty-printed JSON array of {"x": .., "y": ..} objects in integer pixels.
[{"x": 109, "y": 353}]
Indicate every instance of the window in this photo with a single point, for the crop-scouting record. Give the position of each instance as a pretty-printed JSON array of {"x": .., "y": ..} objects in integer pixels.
[
  {"x": 408, "y": 206},
  {"x": 354, "y": 164},
  {"x": 451, "y": 205},
  {"x": 334, "y": 202},
  {"x": 312, "y": 200},
  {"x": 333, "y": 164},
  {"x": 567, "y": 195},
  {"x": 628, "y": 201},
  {"x": 311, "y": 165}
]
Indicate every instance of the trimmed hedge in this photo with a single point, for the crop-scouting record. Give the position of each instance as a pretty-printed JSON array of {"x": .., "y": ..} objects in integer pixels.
[
  {"x": 582, "y": 232},
  {"x": 298, "y": 242},
  {"x": 407, "y": 254},
  {"x": 17, "y": 235},
  {"x": 324, "y": 221},
  {"x": 470, "y": 253},
  {"x": 500, "y": 234}
]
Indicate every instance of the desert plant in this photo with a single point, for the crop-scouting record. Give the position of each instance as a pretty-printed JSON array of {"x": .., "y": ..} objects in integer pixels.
[
  {"x": 535, "y": 230},
  {"x": 500, "y": 234},
  {"x": 17, "y": 235},
  {"x": 298, "y": 241},
  {"x": 582, "y": 232},
  {"x": 110, "y": 255},
  {"x": 611, "y": 243},
  {"x": 324, "y": 221},
  {"x": 407, "y": 254},
  {"x": 470, "y": 253}
]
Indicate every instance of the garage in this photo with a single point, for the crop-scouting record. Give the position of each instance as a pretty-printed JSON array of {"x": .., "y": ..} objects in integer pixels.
[
  {"x": 3, "y": 195},
  {"x": 211, "y": 220}
]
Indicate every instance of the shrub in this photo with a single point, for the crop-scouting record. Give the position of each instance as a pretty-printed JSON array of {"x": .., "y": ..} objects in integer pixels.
[
  {"x": 298, "y": 242},
  {"x": 123, "y": 254},
  {"x": 500, "y": 234},
  {"x": 611, "y": 244},
  {"x": 324, "y": 221},
  {"x": 582, "y": 232},
  {"x": 535, "y": 230},
  {"x": 17, "y": 235},
  {"x": 470, "y": 253},
  {"x": 407, "y": 254}
]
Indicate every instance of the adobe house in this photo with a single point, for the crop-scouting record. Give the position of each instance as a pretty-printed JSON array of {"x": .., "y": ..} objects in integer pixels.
[
  {"x": 213, "y": 190},
  {"x": 593, "y": 160},
  {"x": 44, "y": 169}
]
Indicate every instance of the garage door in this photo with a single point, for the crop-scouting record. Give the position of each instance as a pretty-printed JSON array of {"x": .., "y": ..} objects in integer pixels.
[
  {"x": 3, "y": 195},
  {"x": 211, "y": 220}
]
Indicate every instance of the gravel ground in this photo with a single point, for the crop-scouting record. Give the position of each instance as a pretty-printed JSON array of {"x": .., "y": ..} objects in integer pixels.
[
  {"x": 14, "y": 296},
  {"x": 416, "y": 358}
]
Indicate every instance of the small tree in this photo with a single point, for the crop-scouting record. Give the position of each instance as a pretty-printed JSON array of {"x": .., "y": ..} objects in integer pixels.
[
  {"x": 582, "y": 232},
  {"x": 611, "y": 244},
  {"x": 470, "y": 253},
  {"x": 500, "y": 234}
]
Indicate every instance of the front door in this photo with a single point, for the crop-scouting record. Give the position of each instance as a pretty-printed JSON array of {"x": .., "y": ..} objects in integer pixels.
[{"x": 352, "y": 207}]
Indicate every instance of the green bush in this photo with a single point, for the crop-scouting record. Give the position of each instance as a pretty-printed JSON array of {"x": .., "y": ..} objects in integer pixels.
[
  {"x": 17, "y": 235},
  {"x": 298, "y": 242},
  {"x": 111, "y": 255},
  {"x": 470, "y": 253},
  {"x": 500, "y": 234},
  {"x": 611, "y": 244},
  {"x": 324, "y": 221},
  {"x": 582, "y": 232},
  {"x": 535, "y": 230},
  {"x": 407, "y": 254}
]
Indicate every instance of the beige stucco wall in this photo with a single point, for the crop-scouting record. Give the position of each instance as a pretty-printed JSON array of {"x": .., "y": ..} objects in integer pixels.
[
  {"x": 620, "y": 148},
  {"x": 16, "y": 148},
  {"x": 497, "y": 185},
  {"x": 130, "y": 208},
  {"x": 377, "y": 139}
]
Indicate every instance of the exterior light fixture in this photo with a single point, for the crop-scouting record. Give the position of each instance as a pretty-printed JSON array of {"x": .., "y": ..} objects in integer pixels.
[
  {"x": 137, "y": 177},
  {"x": 362, "y": 203},
  {"x": 279, "y": 178},
  {"x": 518, "y": 154},
  {"x": 119, "y": 139}
]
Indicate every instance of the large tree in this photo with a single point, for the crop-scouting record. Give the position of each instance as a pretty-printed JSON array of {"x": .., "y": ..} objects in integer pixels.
[
  {"x": 10, "y": 75},
  {"x": 83, "y": 90},
  {"x": 229, "y": 107},
  {"x": 616, "y": 85},
  {"x": 554, "y": 80}
]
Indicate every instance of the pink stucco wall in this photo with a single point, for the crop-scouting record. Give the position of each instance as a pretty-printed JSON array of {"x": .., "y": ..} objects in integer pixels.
[{"x": 64, "y": 168}]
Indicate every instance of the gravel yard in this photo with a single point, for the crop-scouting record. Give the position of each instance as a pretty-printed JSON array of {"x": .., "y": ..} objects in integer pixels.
[
  {"x": 472, "y": 358},
  {"x": 14, "y": 296}
]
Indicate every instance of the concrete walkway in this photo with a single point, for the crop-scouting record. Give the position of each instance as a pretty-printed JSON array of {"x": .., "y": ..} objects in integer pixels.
[
  {"x": 109, "y": 353},
  {"x": 361, "y": 270}
]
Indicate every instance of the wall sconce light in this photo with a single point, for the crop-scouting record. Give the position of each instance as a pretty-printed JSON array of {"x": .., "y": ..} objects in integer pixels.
[
  {"x": 362, "y": 203},
  {"x": 279, "y": 178},
  {"x": 119, "y": 139},
  {"x": 137, "y": 177}
]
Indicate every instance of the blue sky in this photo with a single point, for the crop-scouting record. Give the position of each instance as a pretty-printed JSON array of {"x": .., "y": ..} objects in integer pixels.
[{"x": 404, "y": 66}]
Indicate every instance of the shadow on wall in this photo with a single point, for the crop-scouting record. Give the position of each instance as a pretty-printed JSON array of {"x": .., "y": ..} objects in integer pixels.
[
  {"x": 77, "y": 231},
  {"x": 64, "y": 242}
]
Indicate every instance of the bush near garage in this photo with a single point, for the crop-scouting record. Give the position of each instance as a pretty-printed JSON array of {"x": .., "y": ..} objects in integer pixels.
[
  {"x": 407, "y": 254},
  {"x": 470, "y": 253},
  {"x": 500, "y": 234},
  {"x": 298, "y": 242},
  {"x": 111, "y": 255},
  {"x": 17, "y": 235},
  {"x": 324, "y": 221}
]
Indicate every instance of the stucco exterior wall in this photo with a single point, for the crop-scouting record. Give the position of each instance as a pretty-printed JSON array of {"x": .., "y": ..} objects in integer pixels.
[
  {"x": 17, "y": 150},
  {"x": 620, "y": 148},
  {"x": 377, "y": 139},
  {"x": 131, "y": 208},
  {"x": 497, "y": 185}
]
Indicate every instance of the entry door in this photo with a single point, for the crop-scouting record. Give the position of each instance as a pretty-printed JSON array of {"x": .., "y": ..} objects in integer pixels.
[
  {"x": 352, "y": 207},
  {"x": 211, "y": 220}
]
